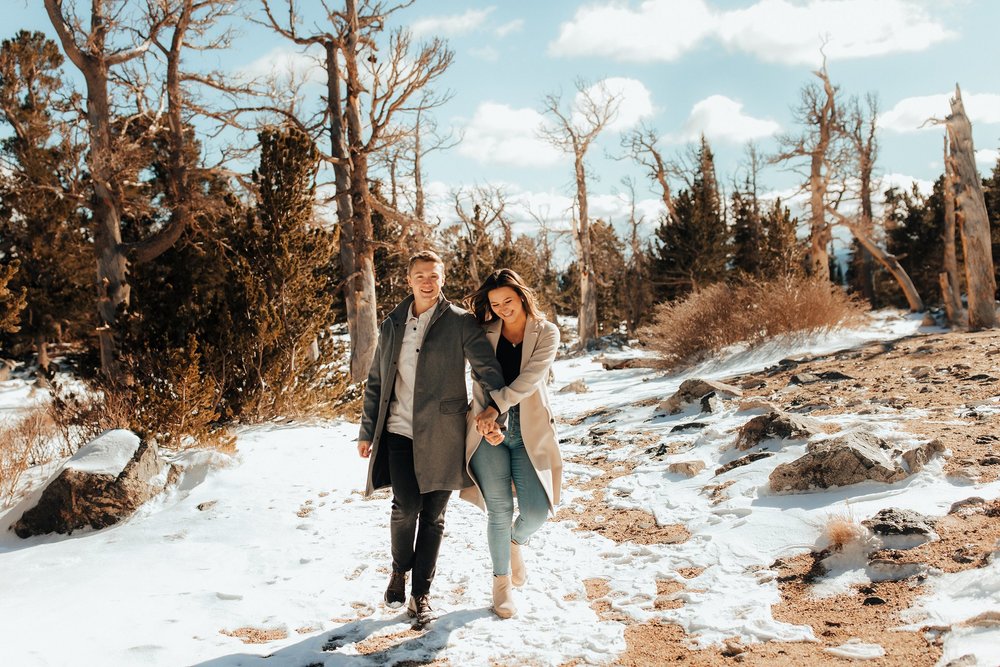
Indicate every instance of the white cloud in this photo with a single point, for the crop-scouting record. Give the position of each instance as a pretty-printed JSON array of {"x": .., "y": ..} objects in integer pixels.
[
  {"x": 987, "y": 157},
  {"x": 772, "y": 30},
  {"x": 507, "y": 28},
  {"x": 792, "y": 32},
  {"x": 285, "y": 64},
  {"x": 910, "y": 114},
  {"x": 656, "y": 31},
  {"x": 721, "y": 118},
  {"x": 487, "y": 53},
  {"x": 636, "y": 102},
  {"x": 454, "y": 24},
  {"x": 500, "y": 134}
]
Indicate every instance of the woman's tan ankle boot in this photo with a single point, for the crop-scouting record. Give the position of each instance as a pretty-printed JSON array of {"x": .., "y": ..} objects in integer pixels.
[
  {"x": 503, "y": 600},
  {"x": 518, "y": 575}
]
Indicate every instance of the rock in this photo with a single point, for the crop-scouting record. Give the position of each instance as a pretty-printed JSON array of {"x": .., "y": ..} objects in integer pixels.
[
  {"x": 834, "y": 376},
  {"x": 710, "y": 403},
  {"x": 775, "y": 424},
  {"x": 894, "y": 521},
  {"x": 742, "y": 461},
  {"x": 686, "y": 468},
  {"x": 732, "y": 647},
  {"x": 967, "y": 660},
  {"x": 804, "y": 378},
  {"x": 575, "y": 387},
  {"x": 688, "y": 426},
  {"x": 841, "y": 461},
  {"x": 102, "y": 484},
  {"x": 968, "y": 506},
  {"x": 921, "y": 372},
  {"x": 756, "y": 403},
  {"x": 928, "y": 320},
  {"x": 205, "y": 506},
  {"x": 917, "y": 457},
  {"x": 693, "y": 390},
  {"x": 873, "y": 600},
  {"x": 618, "y": 363}
]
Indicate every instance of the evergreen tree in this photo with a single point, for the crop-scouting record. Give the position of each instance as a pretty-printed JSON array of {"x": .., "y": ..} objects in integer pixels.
[
  {"x": 914, "y": 224},
  {"x": 11, "y": 303},
  {"x": 693, "y": 249},
  {"x": 609, "y": 268},
  {"x": 782, "y": 253},
  {"x": 40, "y": 196},
  {"x": 991, "y": 188},
  {"x": 748, "y": 233}
]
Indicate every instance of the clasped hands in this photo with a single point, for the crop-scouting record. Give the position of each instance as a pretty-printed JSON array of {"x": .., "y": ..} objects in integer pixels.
[{"x": 487, "y": 426}]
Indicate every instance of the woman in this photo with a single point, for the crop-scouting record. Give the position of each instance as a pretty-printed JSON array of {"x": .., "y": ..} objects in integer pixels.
[{"x": 527, "y": 454}]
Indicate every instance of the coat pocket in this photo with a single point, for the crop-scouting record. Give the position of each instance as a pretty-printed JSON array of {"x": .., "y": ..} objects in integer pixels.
[{"x": 454, "y": 406}]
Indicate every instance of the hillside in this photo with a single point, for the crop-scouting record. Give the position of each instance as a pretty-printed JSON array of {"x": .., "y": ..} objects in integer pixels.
[{"x": 274, "y": 552}]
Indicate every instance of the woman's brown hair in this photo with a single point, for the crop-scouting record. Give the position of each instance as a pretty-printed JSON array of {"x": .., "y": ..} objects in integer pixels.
[{"x": 478, "y": 303}]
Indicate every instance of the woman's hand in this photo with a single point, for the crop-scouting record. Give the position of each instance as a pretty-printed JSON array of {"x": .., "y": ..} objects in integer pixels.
[
  {"x": 495, "y": 436},
  {"x": 486, "y": 421}
]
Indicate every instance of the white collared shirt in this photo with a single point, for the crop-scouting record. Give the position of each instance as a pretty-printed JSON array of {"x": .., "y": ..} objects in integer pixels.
[{"x": 400, "y": 419}]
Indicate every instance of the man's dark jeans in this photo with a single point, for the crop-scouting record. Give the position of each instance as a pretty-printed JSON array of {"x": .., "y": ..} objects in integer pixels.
[{"x": 414, "y": 514}]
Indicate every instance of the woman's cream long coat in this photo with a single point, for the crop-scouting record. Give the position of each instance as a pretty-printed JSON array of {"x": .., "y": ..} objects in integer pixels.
[{"x": 541, "y": 339}]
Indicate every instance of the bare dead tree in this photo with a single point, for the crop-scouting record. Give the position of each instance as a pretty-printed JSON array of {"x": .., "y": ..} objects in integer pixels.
[
  {"x": 641, "y": 146},
  {"x": 638, "y": 297},
  {"x": 96, "y": 49},
  {"x": 481, "y": 210},
  {"x": 860, "y": 128},
  {"x": 972, "y": 218},
  {"x": 573, "y": 132},
  {"x": 951, "y": 288},
  {"x": 819, "y": 148},
  {"x": 365, "y": 94}
]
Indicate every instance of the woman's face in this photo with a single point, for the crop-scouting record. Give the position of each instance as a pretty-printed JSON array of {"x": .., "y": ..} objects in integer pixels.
[{"x": 506, "y": 304}]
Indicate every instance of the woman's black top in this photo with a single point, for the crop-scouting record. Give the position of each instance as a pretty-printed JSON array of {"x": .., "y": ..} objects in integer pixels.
[{"x": 509, "y": 356}]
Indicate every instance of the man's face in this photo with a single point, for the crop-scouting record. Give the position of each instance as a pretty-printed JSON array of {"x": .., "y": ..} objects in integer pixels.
[{"x": 426, "y": 280}]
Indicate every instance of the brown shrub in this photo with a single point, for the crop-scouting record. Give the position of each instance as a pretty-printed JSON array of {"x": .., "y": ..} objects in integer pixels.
[
  {"x": 29, "y": 441},
  {"x": 688, "y": 331},
  {"x": 843, "y": 530}
]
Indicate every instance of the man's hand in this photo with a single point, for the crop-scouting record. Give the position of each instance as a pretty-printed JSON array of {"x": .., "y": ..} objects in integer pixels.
[
  {"x": 486, "y": 420},
  {"x": 364, "y": 448}
]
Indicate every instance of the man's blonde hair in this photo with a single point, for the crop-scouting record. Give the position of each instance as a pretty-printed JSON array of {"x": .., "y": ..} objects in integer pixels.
[{"x": 424, "y": 256}]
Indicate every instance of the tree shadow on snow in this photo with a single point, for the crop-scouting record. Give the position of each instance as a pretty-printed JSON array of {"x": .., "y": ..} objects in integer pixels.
[{"x": 338, "y": 646}]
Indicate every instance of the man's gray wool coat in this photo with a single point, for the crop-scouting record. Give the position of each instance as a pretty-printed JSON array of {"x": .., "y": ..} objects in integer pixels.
[{"x": 440, "y": 400}]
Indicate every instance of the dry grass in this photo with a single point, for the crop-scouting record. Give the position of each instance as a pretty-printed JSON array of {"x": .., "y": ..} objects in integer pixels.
[
  {"x": 82, "y": 415},
  {"x": 841, "y": 531},
  {"x": 26, "y": 442},
  {"x": 721, "y": 315}
]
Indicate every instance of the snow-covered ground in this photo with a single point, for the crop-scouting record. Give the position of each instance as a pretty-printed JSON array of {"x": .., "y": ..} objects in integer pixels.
[{"x": 280, "y": 539}]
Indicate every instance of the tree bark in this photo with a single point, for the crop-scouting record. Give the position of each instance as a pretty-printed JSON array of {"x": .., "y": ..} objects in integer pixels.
[
  {"x": 587, "y": 323},
  {"x": 972, "y": 219},
  {"x": 951, "y": 289},
  {"x": 892, "y": 265}
]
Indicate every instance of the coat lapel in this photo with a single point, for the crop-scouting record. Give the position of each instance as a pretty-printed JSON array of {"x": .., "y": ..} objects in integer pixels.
[
  {"x": 493, "y": 332},
  {"x": 530, "y": 339}
]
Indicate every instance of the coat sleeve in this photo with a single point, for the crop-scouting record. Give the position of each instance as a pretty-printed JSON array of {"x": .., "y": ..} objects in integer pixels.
[
  {"x": 373, "y": 392},
  {"x": 482, "y": 359},
  {"x": 534, "y": 373}
]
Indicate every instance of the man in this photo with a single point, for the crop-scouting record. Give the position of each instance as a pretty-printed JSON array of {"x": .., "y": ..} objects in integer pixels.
[{"x": 413, "y": 423}]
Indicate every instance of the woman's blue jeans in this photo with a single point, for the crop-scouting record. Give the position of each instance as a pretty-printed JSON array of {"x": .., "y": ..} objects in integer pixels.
[{"x": 495, "y": 468}]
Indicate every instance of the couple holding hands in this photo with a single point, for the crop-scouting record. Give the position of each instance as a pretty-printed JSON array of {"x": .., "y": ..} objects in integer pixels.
[{"x": 423, "y": 438}]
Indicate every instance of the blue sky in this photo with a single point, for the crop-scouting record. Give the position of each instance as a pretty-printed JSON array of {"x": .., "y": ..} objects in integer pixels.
[{"x": 730, "y": 68}]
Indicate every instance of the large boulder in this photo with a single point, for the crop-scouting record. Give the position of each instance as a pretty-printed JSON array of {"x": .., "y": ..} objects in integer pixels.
[
  {"x": 775, "y": 424},
  {"x": 848, "y": 459},
  {"x": 693, "y": 390},
  {"x": 103, "y": 483}
]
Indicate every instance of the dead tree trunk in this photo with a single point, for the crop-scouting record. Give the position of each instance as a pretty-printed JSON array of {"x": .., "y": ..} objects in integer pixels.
[
  {"x": 973, "y": 220},
  {"x": 951, "y": 289}
]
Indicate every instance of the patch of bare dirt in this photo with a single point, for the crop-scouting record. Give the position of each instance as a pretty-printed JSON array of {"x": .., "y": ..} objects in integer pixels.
[
  {"x": 628, "y": 525},
  {"x": 251, "y": 635}
]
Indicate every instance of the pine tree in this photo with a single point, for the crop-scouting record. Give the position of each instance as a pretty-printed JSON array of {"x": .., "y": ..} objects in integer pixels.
[
  {"x": 609, "y": 269},
  {"x": 693, "y": 249},
  {"x": 11, "y": 302},
  {"x": 914, "y": 224},
  {"x": 40, "y": 195},
  {"x": 782, "y": 255},
  {"x": 748, "y": 233}
]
